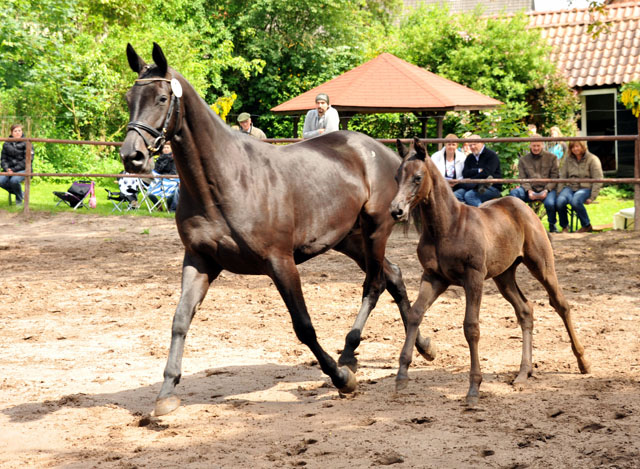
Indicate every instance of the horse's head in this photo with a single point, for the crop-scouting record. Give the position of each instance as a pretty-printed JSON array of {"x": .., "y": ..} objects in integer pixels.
[
  {"x": 414, "y": 183},
  {"x": 154, "y": 110}
]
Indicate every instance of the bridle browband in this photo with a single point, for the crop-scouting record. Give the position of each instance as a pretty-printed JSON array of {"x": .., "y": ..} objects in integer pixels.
[{"x": 160, "y": 136}]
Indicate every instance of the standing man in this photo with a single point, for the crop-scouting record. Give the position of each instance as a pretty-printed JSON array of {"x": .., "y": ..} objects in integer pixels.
[
  {"x": 246, "y": 127},
  {"x": 482, "y": 163},
  {"x": 321, "y": 120},
  {"x": 539, "y": 164}
]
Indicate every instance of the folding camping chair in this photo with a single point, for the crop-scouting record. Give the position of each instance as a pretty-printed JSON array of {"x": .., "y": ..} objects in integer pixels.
[
  {"x": 77, "y": 195},
  {"x": 127, "y": 198},
  {"x": 156, "y": 193}
]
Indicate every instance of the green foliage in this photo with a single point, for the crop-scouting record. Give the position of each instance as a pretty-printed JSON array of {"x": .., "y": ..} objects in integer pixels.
[{"x": 630, "y": 97}]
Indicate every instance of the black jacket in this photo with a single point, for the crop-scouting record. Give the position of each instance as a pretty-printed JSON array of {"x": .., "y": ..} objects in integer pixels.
[
  {"x": 488, "y": 164},
  {"x": 165, "y": 164},
  {"x": 14, "y": 156}
]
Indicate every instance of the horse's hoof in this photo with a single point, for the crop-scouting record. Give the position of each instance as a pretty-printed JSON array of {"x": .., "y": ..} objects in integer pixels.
[
  {"x": 351, "y": 364},
  {"x": 429, "y": 352},
  {"x": 166, "y": 405},
  {"x": 352, "y": 382},
  {"x": 585, "y": 367},
  {"x": 521, "y": 378},
  {"x": 472, "y": 401},
  {"x": 401, "y": 384}
]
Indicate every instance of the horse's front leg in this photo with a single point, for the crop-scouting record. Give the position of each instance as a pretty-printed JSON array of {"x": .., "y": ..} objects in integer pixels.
[
  {"x": 430, "y": 289},
  {"x": 286, "y": 277},
  {"x": 196, "y": 278},
  {"x": 473, "y": 292}
]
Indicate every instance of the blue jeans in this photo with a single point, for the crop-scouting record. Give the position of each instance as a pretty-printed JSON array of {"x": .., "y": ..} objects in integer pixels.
[
  {"x": 12, "y": 184},
  {"x": 473, "y": 197},
  {"x": 459, "y": 193},
  {"x": 576, "y": 199},
  {"x": 549, "y": 203}
]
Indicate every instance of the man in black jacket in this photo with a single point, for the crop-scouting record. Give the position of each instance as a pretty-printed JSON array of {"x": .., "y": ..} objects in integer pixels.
[
  {"x": 482, "y": 163},
  {"x": 13, "y": 161}
]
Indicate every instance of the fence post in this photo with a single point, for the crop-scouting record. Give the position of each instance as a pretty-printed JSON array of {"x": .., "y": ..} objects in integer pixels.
[
  {"x": 636, "y": 174},
  {"x": 27, "y": 180}
]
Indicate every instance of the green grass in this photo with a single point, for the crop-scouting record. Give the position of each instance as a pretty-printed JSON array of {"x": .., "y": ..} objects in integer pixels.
[{"x": 41, "y": 199}]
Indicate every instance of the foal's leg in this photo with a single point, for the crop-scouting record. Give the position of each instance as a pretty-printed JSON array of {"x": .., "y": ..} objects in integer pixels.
[
  {"x": 507, "y": 285},
  {"x": 430, "y": 289},
  {"x": 352, "y": 247},
  {"x": 287, "y": 279},
  {"x": 473, "y": 292},
  {"x": 196, "y": 278},
  {"x": 541, "y": 264}
]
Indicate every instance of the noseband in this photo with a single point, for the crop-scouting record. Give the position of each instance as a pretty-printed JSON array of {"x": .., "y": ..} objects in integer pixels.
[{"x": 160, "y": 136}]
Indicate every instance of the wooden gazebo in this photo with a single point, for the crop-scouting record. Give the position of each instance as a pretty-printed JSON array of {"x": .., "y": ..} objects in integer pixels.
[{"x": 388, "y": 84}]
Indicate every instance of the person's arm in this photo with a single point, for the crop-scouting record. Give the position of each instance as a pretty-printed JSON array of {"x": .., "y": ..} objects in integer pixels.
[
  {"x": 309, "y": 129},
  {"x": 553, "y": 174},
  {"x": 562, "y": 175},
  {"x": 3, "y": 158},
  {"x": 595, "y": 172},
  {"x": 523, "y": 174},
  {"x": 333, "y": 121}
]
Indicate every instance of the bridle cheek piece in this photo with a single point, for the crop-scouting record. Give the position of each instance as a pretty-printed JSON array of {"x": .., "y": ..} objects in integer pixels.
[{"x": 160, "y": 136}]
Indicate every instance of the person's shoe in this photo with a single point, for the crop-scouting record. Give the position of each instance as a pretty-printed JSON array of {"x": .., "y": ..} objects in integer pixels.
[
  {"x": 565, "y": 229},
  {"x": 586, "y": 229},
  {"x": 553, "y": 229}
]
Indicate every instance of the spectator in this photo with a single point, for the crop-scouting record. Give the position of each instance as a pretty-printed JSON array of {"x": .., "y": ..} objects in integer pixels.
[
  {"x": 450, "y": 162},
  {"x": 466, "y": 146},
  {"x": 557, "y": 148},
  {"x": 482, "y": 163},
  {"x": 13, "y": 161},
  {"x": 539, "y": 164},
  {"x": 165, "y": 165},
  {"x": 247, "y": 127},
  {"x": 322, "y": 119},
  {"x": 532, "y": 129},
  {"x": 579, "y": 163}
]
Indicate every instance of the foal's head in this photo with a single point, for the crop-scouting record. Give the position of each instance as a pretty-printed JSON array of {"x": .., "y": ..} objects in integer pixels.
[
  {"x": 154, "y": 110},
  {"x": 414, "y": 181}
]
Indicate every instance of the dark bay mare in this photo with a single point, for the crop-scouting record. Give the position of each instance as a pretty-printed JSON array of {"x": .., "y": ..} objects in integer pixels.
[
  {"x": 254, "y": 208},
  {"x": 463, "y": 245}
]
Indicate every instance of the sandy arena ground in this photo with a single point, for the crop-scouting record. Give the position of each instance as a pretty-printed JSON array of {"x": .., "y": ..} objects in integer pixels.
[{"x": 86, "y": 309}]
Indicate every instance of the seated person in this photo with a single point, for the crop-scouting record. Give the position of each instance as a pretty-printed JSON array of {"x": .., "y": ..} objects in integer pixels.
[
  {"x": 450, "y": 162},
  {"x": 168, "y": 187},
  {"x": 539, "y": 164},
  {"x": 482, "y": 163},
  {"x": 579, "y": 163}
]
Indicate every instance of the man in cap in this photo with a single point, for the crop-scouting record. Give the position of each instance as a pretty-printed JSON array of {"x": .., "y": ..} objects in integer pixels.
[
  {"x": 246, "y": 127},
  {"x": 321, "y": 120}
]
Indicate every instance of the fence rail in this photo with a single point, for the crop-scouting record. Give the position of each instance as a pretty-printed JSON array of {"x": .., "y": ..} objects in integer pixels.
[{"x": 635, "y": 180}]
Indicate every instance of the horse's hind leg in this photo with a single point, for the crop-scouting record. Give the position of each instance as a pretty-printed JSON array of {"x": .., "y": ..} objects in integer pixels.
[
  {"x": 541, "y": 264},
  {"x": 507, "y": 285},
  {"x": 196, "y": 278},
  {"x": 352, "y": 247},
  {"x": 287, "y": 279}
]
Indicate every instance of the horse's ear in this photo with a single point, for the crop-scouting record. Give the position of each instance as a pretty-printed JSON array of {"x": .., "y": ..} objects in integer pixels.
[
  {"x": 159, "y": 59},
  {"x": 418, "y": 146},
  {"x": 135, "y": 62},
  {"x": 402, "y": 150}
]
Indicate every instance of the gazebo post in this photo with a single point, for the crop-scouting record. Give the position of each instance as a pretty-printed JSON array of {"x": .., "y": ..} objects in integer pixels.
[
  {"x": 296, "y": 122},
  {"x": 440, "y": 124}
]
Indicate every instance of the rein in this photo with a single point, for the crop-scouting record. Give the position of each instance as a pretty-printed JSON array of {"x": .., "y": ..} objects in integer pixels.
[{"x": 160, "y": 136}]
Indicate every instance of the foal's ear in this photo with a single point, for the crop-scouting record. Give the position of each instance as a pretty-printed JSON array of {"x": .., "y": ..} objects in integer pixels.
[
  {"x": 402, "y": 150},
  {"x": 135, "y": 62},
  {"x": 418, "y": 146},
  {"x": 159, "y": 59}
]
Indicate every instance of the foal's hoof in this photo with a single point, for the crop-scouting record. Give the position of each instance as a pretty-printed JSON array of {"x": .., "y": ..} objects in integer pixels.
[
  {"x": 352, "y": 364},
  {"x": 166, "y": 405},
  {"x": 521, "y": 378},
  {"x": 428, "y": 350},
  {"x": 472, "y": 401},
  {"x": 352, "y": 382},
  {"x": 585, "y": 367}
]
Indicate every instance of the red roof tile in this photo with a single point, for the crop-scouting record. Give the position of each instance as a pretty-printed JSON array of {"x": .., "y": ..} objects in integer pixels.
[
  {"x": 611, "y": 58},
  {"x": 389, "y": 84}
]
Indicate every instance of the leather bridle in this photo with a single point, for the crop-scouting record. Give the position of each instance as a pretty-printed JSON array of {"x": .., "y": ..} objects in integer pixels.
[{"x": 160, "y": 136}]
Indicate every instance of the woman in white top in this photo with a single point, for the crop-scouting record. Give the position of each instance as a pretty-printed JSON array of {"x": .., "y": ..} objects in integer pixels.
[{"x": 450, "y": 161}]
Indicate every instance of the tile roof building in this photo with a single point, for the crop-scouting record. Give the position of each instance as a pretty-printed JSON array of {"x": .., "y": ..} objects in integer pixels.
[{"x": 489, "y": 7}]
